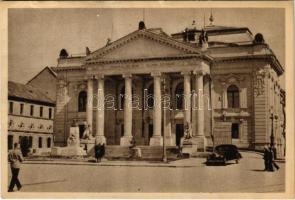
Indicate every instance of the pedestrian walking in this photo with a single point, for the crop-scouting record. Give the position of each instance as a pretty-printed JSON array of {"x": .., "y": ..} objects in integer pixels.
[
  {"x": 270, "y": 160},
  {"x": 15, "y": 158},
  {"x": 273, "y": 163}
]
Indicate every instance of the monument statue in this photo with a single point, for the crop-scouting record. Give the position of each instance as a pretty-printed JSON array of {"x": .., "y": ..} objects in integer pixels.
[{"x": 87, "y": 133}]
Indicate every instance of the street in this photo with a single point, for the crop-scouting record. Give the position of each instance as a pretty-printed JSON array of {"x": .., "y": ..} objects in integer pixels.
[{"x": 247, "y": 176}]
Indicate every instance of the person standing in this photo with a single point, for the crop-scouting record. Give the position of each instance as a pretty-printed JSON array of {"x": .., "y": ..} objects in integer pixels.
[
  {"x": 15, "y": 158},
  {"x": 265, "y": 158}
]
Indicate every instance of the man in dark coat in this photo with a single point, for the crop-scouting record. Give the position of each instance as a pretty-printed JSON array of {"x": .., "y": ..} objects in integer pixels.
[
  {"x": 97, "y": 148},
  {"x": 265, "y": 158},
  {"x": 15, "y": 158}
]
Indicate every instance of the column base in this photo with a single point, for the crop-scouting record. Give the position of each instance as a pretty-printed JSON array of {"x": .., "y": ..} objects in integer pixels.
[
  {"x": 156, "y": 141},
  {"x": 100, "y": 139},
  {"x": 125, "y": 141}
]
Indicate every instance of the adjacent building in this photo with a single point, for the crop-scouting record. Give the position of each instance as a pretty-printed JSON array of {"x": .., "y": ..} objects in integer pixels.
[
  {"x": 222, "y": 85},
  {"x": 45, "y": 81},
  {"x": 30, "y": 119}
]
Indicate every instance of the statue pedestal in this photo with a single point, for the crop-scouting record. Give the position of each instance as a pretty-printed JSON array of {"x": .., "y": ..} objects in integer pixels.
[
  {"x": 189, "y": 146},
  {"x": 73, "y": 147}
]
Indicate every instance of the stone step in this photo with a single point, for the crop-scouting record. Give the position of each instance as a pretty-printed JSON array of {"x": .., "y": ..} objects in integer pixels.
[{"x": 147, "y": 152}]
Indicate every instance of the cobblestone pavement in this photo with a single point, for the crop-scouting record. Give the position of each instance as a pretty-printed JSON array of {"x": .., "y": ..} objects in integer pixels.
[{"x": 188, "y": 175}]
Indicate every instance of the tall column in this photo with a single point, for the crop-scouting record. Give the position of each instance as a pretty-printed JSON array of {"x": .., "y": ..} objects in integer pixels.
[
  {"x": 99, "y": 137},
  {"x": 157, "y": 139},
  {"x": 200, "y": 136},
  {"x": 167, "y": 112},
  {"x": 126, "y": 139},
  {"x": 187, "y": 100},
  {"x": 89, "y": 110}
]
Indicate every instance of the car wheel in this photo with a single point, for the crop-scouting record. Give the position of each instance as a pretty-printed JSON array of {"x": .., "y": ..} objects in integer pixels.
[{"x": 237, "y": 161}]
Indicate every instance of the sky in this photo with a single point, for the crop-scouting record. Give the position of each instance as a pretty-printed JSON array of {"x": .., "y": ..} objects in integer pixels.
[{"x": 36, "y": 36}]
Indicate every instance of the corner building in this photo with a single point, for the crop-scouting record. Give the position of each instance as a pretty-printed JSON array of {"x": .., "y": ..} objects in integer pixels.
[{"x": 237, "y": 74}]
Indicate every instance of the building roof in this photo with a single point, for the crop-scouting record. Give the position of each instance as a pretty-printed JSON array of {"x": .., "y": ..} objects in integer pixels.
[
  {"x": 46, "y": 68},
  {"x": 27, "y": 93}
]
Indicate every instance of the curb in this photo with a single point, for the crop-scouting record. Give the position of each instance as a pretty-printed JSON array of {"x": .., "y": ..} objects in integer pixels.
[{"x": 112, "y": 164}]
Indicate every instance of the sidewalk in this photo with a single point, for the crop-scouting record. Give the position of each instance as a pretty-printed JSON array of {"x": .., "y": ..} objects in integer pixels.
[{"x": 189, "y": 162}]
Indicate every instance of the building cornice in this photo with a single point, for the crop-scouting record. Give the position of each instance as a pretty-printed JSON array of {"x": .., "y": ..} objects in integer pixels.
[{"x": 14, "y": 98}]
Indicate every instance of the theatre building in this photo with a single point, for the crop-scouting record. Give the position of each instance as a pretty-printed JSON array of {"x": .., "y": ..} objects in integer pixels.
[
  {"x": 30, "y": 119},
  {"x": 221, "y": 84}
]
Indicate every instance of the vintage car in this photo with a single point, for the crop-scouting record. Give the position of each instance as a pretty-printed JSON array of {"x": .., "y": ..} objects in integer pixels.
[{"x": 222, "y": 154}]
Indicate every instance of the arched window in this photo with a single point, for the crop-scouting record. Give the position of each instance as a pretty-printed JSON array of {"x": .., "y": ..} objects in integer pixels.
[
  {"x": 233, "y": 96},
  {"x": 179, "y": 96},
  {"x": 82, "y": 101}
]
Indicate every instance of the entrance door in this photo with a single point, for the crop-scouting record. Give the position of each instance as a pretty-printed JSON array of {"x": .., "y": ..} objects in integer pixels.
[
  {"x": 151, "y": 131},
  {"x": 235, "y": 131},
  {"x": 179, "y": 133},
  {"x": 24, "y": 145},
  {"x": 81, "y": 130}
]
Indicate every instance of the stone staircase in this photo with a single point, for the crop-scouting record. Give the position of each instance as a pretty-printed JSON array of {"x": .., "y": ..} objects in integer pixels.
[{"x": 114, "y": 152}]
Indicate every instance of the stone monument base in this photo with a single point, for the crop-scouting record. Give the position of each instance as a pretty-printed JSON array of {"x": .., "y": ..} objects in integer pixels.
[{"x": 68, "y": 151}]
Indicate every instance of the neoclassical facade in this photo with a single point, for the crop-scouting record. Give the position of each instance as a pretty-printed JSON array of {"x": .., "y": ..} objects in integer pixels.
[{"x": 219, "y": 85}]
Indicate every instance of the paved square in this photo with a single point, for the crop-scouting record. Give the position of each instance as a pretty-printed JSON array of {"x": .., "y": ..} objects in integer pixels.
[{"x": 188, "y": 175}]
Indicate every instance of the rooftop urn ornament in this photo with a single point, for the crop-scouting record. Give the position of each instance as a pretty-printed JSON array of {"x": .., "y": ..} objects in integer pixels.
[
  {"x": 87, "y": 51},
  {"x": 211, "y": 18},
  {"x": 258, "y": 39},
  {"x": 108, "y": 42}
]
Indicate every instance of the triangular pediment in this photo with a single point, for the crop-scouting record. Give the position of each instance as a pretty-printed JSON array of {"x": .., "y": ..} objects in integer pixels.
[{"x": 142, "y": 44}]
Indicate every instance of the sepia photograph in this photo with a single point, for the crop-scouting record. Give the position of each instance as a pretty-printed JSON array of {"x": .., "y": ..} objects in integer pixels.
[{"x": 147, "y": 100}]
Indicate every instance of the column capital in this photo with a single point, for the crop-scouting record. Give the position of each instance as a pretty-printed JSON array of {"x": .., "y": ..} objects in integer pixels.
[
  {"x": 89, "y": 77},
  {"x": 186, "y": 73},
  {"x": 156, "y": 74},
  {"x": 99, "y": 76},
  {"x": 199, "y": 72},
  {"x": 127, "y": 75}
]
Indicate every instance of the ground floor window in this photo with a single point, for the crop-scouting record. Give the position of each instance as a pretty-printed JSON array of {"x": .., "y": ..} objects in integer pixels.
[
  {"x": 40, "y": 142},
  {"x": 235, "y": 131},
  {"x": 10, "y": 142},
  {"x": 48, "y": 142}
]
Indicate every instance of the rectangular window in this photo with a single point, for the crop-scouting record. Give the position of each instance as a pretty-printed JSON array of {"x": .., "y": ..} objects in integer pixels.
[
  {"x": 50, "y": 113},
  {"x": 32, "y": 110},
  {"x": 10, "y": 142},
  {"x": 48, "y": 142},
  {"x": 41, "y": 111},
  {"x": 40, "y": 142},
  {"x": 10, "y": 107},
  {"x": 21, "y": 110}
]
